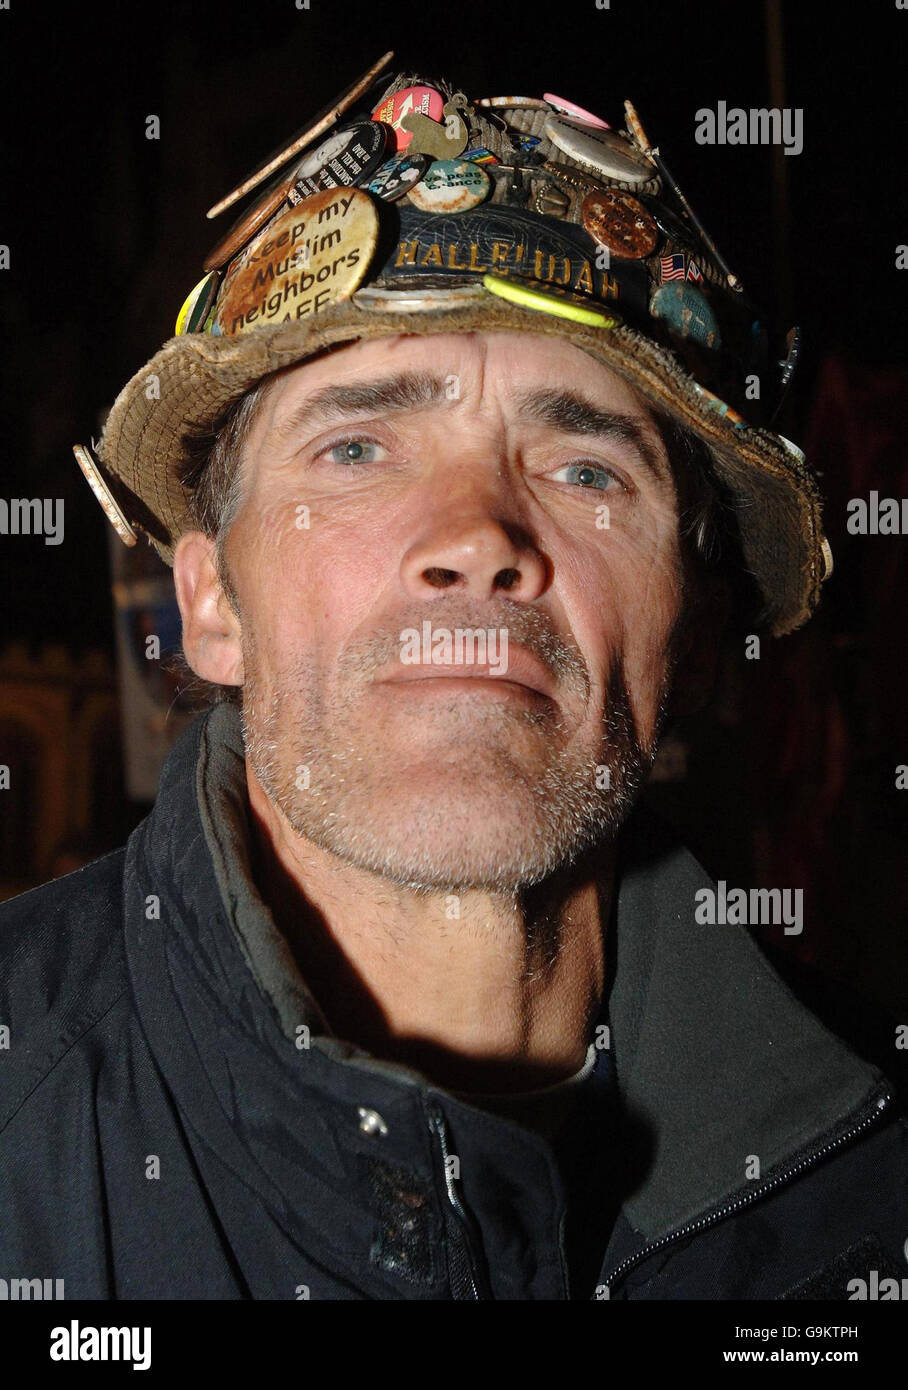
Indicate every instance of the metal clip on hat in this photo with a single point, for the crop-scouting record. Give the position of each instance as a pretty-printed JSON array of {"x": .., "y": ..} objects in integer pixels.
[{"x": 412, "y": 208}]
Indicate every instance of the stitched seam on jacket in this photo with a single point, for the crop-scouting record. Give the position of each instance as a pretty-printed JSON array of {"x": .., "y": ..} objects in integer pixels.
[{"x": 32, "y": 1086}]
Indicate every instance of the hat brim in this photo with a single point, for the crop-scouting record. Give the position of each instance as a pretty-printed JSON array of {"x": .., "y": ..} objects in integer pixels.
[{"x": 192, "y": 379}]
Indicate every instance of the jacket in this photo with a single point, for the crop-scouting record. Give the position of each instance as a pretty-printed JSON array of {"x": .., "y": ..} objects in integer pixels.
[{"x": 178, "y": 1121}]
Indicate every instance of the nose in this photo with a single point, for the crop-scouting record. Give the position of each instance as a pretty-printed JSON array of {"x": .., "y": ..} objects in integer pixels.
[{"x": 473, "y": 549}]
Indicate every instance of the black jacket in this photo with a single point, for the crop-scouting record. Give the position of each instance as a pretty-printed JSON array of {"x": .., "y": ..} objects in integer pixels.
[{"x": 164, "y": 1134}]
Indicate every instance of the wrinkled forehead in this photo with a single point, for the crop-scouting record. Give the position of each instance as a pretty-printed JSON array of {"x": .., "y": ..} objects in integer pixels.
[
  {"x": 510, "y": 357},
  {"x": 418, "y": 371}
]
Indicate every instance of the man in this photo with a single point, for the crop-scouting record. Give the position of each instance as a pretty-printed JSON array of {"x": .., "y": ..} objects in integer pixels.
[{"x": 394, "y": 994}]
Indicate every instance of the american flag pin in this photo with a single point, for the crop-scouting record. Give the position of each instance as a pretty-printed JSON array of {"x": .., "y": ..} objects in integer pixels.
[{"x": 673, "y": 267}]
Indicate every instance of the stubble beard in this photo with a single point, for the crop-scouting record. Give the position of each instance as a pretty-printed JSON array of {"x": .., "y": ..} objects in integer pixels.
[{"x": 500, "y": 803}]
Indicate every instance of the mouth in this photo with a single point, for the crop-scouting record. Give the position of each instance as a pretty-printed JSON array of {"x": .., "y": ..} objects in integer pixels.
[{"x": 525, "y": 679}]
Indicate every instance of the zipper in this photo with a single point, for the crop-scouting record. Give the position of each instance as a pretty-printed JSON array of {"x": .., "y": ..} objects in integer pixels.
[
  {"x": 465, "y": 1277},
  {"x": 719, "y": 1214}
]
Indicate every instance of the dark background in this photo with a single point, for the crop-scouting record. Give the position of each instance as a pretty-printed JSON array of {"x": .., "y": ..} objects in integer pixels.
[{"x": 789, "y": 777}]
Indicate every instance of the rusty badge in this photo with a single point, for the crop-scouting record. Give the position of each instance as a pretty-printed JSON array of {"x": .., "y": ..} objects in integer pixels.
[
  {"x": 619, "y": 221},
  {"x": 310, "y": 256}
]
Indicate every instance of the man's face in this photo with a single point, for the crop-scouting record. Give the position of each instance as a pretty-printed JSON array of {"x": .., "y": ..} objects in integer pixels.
[{"x": 506, "y": 484}]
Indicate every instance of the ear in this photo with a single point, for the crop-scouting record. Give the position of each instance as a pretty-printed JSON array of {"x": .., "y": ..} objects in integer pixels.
[
  {"x": 695, "y": 671},
  {"x": 211, "y": 630}
]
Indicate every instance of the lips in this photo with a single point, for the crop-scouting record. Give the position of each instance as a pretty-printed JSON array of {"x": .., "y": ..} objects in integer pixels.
[{"x": 523, "y": 669}]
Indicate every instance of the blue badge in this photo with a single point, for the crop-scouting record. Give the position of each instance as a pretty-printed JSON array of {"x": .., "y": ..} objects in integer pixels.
[
  {"x": 686, "y": 312},
  {"x": 395, "y": 178}
]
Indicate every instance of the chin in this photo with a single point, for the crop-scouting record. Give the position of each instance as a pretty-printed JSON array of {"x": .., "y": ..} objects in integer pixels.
[
  {"x": 459, "y": 863},
  {"x": 497, "y": 809},
  {"x": 449, "y": 833}
]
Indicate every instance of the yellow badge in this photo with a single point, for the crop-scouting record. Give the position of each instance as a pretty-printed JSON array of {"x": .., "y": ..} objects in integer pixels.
[
  {"x": 547, "y": 303},
  {"x": 196, "y": 306}
]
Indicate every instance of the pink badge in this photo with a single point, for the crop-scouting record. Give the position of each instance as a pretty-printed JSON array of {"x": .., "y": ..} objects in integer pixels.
[{"x": 570, "y": 108}]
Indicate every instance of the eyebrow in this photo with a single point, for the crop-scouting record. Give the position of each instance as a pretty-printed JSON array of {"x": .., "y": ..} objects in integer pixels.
[
  {"x": 567, "y": 411},
  {"x": 574, "y": 414},
  {"x": 407, "y": 391}
]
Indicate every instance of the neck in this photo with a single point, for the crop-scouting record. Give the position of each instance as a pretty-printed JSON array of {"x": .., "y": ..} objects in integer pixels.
[{"x": 479, "y": 991}]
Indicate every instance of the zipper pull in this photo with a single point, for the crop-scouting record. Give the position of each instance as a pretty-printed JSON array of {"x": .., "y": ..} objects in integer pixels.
[{"x": 463, "y": 1240}]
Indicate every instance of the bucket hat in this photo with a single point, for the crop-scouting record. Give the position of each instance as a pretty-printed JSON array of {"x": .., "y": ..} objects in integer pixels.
[{"x": 407, "y": 207}]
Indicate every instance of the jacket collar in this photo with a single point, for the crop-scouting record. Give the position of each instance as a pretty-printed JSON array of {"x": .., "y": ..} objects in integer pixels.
[{"x": 716, "y": 1061}]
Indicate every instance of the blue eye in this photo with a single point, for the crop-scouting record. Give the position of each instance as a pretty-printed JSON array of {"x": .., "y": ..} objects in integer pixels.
[
  {"x": 352, "y": 451},
  {"x": 587, "y": 475}
]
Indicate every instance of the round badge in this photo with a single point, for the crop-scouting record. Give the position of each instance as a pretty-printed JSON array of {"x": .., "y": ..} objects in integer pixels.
[
  {"x": 346, "y": 157},
  {"x": 793, "y": 449},
  {"x": 686, "y": 312},
  {"x": 98, "y": 484},
  {"x": 618, "y": 221},
  {"x": 602, "y": 151},
  {"x": 310, "y": 256},
  {"x": 197, "y": 305},
  {"x": 569, "y": 108},
  {"x": 451, "y": 185},
  {"x": 398, "y": 175},
  {"x": 426, "y": 100}
]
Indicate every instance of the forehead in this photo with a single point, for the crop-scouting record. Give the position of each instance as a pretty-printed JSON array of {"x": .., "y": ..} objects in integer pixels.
[{"x": 502, "y": 365}]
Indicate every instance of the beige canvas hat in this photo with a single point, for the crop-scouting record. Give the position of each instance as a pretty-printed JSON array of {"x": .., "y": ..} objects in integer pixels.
[{"x": 413, "y": 209}]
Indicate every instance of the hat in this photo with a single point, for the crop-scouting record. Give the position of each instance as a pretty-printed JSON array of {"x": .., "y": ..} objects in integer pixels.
[{"x": 407, "y": 207}]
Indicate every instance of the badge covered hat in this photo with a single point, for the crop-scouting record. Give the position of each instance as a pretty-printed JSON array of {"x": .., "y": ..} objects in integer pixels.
[{"x": 407, "y": 207}]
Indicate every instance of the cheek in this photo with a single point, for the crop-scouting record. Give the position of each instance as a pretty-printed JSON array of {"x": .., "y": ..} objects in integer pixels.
[
  {"x": 623, "y": 595},
  {"x": 311, "y": 578}
]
